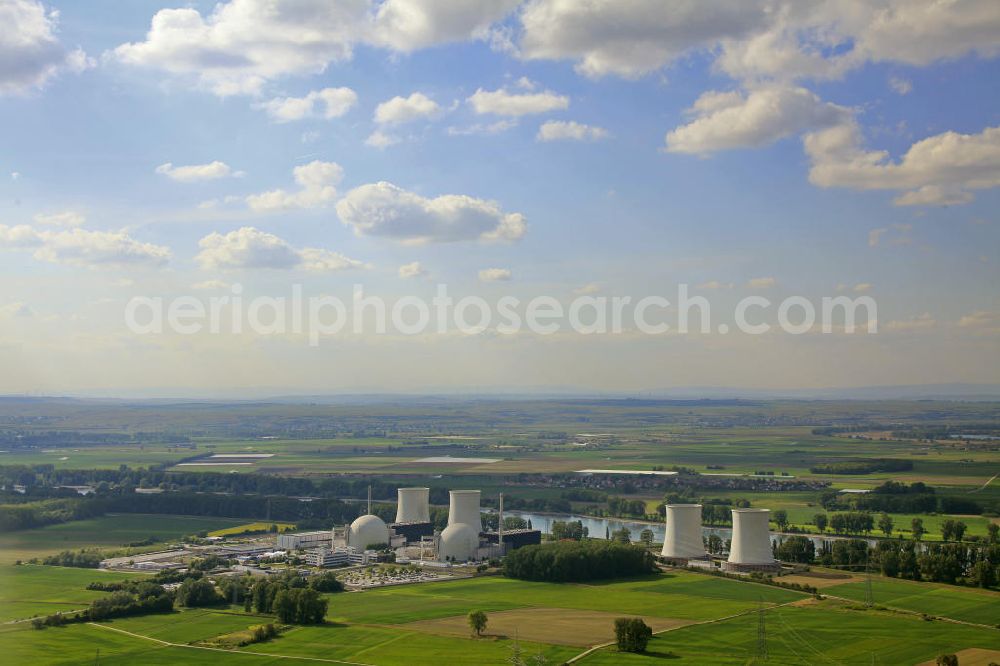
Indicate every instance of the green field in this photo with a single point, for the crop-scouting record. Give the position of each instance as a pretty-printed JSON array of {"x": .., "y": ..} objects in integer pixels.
[
  {"x": 388, "y": 626},
  {"x": 966, "y": 604},
  {"x": 29, "y": 590},
  {"x": 826, "y": 633},
  {"x": 111, "y": 531}
]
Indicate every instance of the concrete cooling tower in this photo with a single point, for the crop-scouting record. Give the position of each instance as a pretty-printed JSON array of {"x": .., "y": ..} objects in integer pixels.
[
  {"x": 751, "y": 547},
  {"x": 412, "y": 505},
  {"x": 683, "y": 536},
  {"x": 367, "y": 531},
  {"x": 460, "y": 540}
]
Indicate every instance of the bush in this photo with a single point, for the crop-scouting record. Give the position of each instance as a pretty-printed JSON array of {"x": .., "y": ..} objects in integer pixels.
[
  {"x": 797, "y": 549},
  {"x": 299, "y": 606},
  {"x": 326, "y": 582},
  {"x": 632, "y": 634},
  {"x": 83, "y": 559},
  {"x": 198, "y": 592}
]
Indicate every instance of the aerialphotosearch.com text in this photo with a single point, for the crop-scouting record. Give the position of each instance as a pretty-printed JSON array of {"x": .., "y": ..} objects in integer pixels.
[{"x": 319, "y": 317}]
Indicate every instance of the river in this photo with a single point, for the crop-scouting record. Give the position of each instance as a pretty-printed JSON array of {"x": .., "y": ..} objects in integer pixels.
[{"x": 598, "y": 528}]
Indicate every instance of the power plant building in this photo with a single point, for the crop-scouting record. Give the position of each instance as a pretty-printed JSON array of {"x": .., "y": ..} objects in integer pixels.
[
  {"x": 459, "y": 542},
  {"x": 751, "y": 544},
  {"x": 303, "y": 540},
  {"x": 683, "y": 540},
  {"x": 413, "y": 519}
]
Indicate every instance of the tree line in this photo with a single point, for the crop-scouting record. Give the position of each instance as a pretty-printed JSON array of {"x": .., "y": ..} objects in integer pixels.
[{"x": 574, "y": 561}]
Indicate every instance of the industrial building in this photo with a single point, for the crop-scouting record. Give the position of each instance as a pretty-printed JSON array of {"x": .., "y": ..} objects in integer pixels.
[
  {"x": 683, "y": 539},
  {"x": 751, "y": 545},
  {"x": 324, "y": 557},
  {"x": 509, "y": 540},
  {"x": 303, "y": 540}
]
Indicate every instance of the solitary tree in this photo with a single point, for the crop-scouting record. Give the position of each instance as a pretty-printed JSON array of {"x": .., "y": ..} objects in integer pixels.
[
  {"x": 781, "y": 519},
  {"x": 632, "y": 634},
  {"x": 885, "y": 524},
  {"x": 646, "y": 536},
  {"x": 993, "y": 532},
  {"x": 820, "y": 520},
  {"x": 917, "y": 527},
  {"x": 477, "y": 622}
]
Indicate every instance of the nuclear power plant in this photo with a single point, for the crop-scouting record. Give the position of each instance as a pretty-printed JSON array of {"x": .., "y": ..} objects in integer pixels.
[
  {"x": 683, "y": 540},
  {"x": 412, "y": 536},
  {"x": 751, "y": 544}
]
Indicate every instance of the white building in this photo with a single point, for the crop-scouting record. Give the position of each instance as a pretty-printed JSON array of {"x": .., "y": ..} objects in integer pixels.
[
  {"x": 303, "y": 540},
  {"x": 324, "y": 557}
]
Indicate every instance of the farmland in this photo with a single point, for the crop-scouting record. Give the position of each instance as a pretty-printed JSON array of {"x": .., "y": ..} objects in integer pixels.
[
  {"x": 703, "y": 620},
  {"x": 249, "y": 466},
  {"x": 112, "y": 531}
]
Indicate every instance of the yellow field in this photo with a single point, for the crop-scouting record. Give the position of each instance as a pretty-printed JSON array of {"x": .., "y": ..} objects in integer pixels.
[{"x": 252, "y": 527}]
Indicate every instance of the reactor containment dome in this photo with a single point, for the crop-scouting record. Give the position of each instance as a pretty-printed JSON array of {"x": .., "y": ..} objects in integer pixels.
[{"x": 367, "y": 531}]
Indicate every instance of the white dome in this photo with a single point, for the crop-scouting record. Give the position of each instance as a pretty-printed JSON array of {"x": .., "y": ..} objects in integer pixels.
[
  {"x": 366, "y": 531},
  {"x": 459, "y": 542}
]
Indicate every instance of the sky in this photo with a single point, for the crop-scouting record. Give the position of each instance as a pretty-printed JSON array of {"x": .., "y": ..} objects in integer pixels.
[{"x": 555, "y": 148}]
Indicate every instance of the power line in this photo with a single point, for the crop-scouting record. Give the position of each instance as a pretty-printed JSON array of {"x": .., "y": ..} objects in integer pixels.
[{"x": 761, "y": 653}]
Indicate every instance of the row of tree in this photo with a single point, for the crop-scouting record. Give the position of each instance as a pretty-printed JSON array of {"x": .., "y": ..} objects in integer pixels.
[{"x": 573, "y": 561}]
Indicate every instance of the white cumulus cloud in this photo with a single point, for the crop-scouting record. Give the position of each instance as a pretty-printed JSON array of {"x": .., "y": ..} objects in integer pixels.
[
  {"x": 196, "y": 172},
  {"x": 80, "y": 247},
  {"x": 383, "y": 209},
  {"x": 379, "y": 139},
  {"x": 414, "y": 269},
  {"x": 939, "y": 170},
  {"x": 405, "y": 109},
  {"x": 249, "y": 248},
  {"x": 317, "y": 182},
  {"x": 495, "y": 274},
  {"x": 504, "y": 103},
  {"x": 30, "y": 52},
  {"x": 242, "y": 44},
  {"x": 407, "y": 25},
  {"x": 559, "y": 130},
  {"x": 327, "y": 103},
  {"x": 67, "y": 218},
  {"x": 727, "y": 120}
]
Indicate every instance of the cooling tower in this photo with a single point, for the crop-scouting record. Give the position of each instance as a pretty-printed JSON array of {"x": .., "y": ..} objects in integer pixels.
[
  {"x": 412, "y": 505},
  {"x": 460, "y": 540},
  {"x": 683, "y": 537},
  {"x": 751, "y": 538},
  {"x": 464, "y": 509}
]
